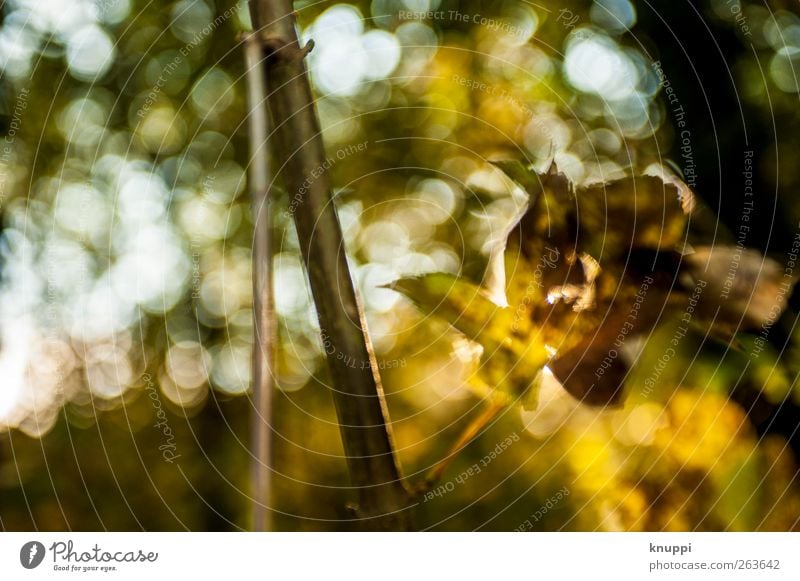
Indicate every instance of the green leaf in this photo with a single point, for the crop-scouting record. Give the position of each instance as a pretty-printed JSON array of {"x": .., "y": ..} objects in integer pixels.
[
  {"x": 459, "y": 302},
  {"x": 524, "y": 175},
  {"x": 510, "y": 364}
]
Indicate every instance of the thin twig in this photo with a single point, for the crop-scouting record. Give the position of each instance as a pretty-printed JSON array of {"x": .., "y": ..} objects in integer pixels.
[{"x": 264, "y": 322}]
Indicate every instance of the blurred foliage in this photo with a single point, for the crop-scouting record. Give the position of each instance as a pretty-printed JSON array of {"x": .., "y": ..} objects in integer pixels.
[{"x": 126, "y": 300}]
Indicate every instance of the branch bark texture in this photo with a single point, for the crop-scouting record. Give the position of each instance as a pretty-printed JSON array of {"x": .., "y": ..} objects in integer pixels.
[{"x": 383, "y": 501}]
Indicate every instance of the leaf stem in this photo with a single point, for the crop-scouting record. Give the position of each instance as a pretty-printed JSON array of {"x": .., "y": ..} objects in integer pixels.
[{"x": 473, "y": 429}]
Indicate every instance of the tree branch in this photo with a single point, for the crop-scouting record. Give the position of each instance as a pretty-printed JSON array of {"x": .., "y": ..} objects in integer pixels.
[
  {"x": 358, "y": 396},
  {"x": 264, "y": 322}
]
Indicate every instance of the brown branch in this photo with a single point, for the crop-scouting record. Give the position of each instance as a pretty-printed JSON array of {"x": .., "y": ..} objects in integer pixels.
[
  {"x": 264, "y": 321},
  {"x": 383, "y": 501}
]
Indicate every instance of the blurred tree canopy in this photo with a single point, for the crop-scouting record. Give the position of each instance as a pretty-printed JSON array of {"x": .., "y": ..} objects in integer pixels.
[{"x": 125, "y": 310}]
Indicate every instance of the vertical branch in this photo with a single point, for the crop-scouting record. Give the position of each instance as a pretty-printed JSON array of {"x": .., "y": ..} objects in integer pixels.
[
  {"x": 264, "y": 321},
  {"x": 383, "y": 500}
]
